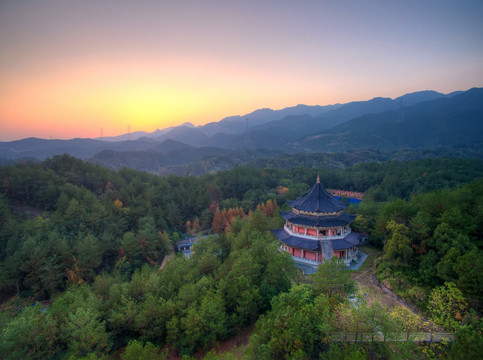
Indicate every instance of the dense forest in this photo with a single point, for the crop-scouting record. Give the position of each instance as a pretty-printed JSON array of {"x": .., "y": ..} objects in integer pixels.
[{"x": 81, "y": 248}]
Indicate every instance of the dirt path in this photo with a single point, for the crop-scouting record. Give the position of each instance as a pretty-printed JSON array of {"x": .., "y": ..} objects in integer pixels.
[
  {"x": 170, "y": 254},
  {"x": 371, "y": 291},
  {"x": 367, "y": 288}
]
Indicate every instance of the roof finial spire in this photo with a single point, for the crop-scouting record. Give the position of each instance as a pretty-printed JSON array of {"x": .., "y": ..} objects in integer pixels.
[{"x": 318, "y": 179}]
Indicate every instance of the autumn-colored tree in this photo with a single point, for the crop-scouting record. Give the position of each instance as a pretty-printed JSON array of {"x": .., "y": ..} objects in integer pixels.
[
  {"x": 447, "y": 306},
  {"x": 282, "y": 190},
  {"x": 196, "y": 226},
  {"x": 409, "y": 321},
  {"x": 118, "y": 204},
  {"x": 269, "y": 207},
  {"x": 263, "y": 208},
  {"x": 217, "y": 222},
  {"x": 213, "y": 207},
  {"x": 241, "y": 214},
  {"x": 193, "y": 227},
  {"x": 75, "y": 272},
  {"x": 224, "y": 217}
]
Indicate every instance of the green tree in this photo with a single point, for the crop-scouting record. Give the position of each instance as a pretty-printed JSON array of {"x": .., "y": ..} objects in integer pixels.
[
  {"x": 467, "y": 345},
  {"x": 469, "y": 270},
  {"x": 87, "y": 332},
  {"x": 362, "y": 223},
  {"x": 398, "y": 246},
  {"x": 427, "y": 268},
  {"x": 204, "y": 323},
  {"x": 242, "y": 299},
  {"x": 153, "y": 316},
  {"x": 137, "y": 350},
  {"x": 122, "y": 315},
  {"x": 446, "y": 266},
  {"x": 422, "y": 226},
  {"x": 297, "y": 327},
  {"x": 89, "y": 251},
  {"x": 341, "y": 351},
  {"x": 333, "y": 280},
  {"x": 152, "y": 248},
  {"x": 90, "y": 356},
  {"x": 29, "y": 335},
  {"x": 130, "y": 247},
  {"x": 42, "y": 265}
]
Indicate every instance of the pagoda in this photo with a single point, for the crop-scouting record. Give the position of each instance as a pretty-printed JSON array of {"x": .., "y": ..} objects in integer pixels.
[{"x": 317, "y": 229}]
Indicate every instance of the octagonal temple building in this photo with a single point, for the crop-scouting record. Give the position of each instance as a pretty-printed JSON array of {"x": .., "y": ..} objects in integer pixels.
[{"x": 316, "y": 229}]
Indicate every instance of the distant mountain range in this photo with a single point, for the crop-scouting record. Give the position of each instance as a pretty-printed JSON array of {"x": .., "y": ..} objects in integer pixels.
[
  {"x": 420, "y": 120},
  {"x": 452, "y": 121}
]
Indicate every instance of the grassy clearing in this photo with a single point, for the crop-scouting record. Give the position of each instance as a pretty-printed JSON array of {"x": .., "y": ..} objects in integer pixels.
[{"x": 372, "y": 254}]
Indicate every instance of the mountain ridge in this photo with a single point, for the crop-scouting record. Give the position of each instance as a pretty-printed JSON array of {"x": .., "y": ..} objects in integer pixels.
[
  {"x": 446, "y": 121},
  {"x": 336, "y": 128}
]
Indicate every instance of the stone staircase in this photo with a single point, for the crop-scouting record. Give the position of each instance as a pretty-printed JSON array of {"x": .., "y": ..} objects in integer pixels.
[{"x": 327, "y": 249}]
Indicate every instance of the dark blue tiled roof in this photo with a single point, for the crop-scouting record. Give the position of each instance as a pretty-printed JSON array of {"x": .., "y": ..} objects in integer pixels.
[
  {"x": 318, "y": 221},
  {"x": 296, "y": 241},
  {"x": 317, "y": 199},
  {"x": 349, "y": 241}
]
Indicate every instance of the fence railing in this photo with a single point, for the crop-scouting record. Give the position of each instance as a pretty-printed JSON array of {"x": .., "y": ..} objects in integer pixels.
[{"x": 378, "y": 337}]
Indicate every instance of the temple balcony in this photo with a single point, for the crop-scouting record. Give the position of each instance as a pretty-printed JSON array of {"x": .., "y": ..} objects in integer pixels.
[
  {"x": 311, "y": 237},
  {"x": 306, "y": 261},
  {"x": 302, "y": 260}
]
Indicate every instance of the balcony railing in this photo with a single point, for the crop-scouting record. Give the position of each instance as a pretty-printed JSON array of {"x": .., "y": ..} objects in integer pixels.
[
  {"x": 311, "y": 237},
  {"x": 318, "y": 262},
  {"x": 305, "y": 261}
]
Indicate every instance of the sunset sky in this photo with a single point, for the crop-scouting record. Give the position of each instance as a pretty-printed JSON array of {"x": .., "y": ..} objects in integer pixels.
[{"x": 70, "y": 68}]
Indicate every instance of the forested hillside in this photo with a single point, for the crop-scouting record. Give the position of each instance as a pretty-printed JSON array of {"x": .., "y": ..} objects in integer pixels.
[
  {"x": 89, "y": 242},
  {"x": 428, "y": 240},
  {"x": 261, "y": 159}
]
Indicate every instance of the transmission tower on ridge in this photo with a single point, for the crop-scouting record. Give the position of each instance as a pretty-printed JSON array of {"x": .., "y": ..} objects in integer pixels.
[
  {"x": 400, "y": 116},
  {"x": 246, "y": 140}
]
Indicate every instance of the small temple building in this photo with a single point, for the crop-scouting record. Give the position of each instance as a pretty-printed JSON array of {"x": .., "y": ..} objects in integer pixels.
[{"x": 317, "y": 229}]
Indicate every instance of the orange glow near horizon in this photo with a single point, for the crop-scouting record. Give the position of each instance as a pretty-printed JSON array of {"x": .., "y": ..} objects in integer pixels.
[{"x": 80, "y": 99}]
